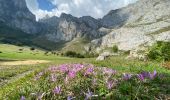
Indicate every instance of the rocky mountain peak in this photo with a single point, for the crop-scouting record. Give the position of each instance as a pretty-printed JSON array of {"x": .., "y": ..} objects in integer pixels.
[
  {"x": 90, "y": 21},
  {"x": 16, "y": 14},
  {"x": 68, "y": 17}
]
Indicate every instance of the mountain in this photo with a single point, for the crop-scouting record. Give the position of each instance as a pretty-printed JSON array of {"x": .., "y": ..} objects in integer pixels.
[
  {"x": 66, "y": 28},
  {"x": 15, "y": 14},
  {"x": 131, "y": 27}
]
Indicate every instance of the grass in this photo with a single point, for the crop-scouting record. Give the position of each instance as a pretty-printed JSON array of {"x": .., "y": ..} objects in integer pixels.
[
  {"x": 13, "y": 78},
  {"x": 76, "y": 45}
]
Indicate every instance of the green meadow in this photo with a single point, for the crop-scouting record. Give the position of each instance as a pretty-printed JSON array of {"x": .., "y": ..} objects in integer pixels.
[{"x": 14, "y": 79}]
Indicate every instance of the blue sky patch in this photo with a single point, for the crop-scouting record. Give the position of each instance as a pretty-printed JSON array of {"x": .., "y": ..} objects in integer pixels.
[{"x": 46, "y": 5}]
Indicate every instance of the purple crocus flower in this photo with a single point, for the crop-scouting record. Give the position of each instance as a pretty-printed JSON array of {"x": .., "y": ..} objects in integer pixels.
[
  {"x": 145, "y": 74},
  {"x": 152, "y": 75},
  {"x": 57, "y": 90},
  {"x": 89, "y": 71},
  {"x": 63, "y": 68},
  {"x": 22, "y": 98},
  {"x": 108, "y": 71},
  {"x": 78, "y": 67},
  {"x": 38, "y": 76},
  {"x": 110, "y": 84},
  {"x": 127, "y": 76},
  {"x": 71, "y": 74},
  {"x": 140, "y": 76},
  {"x": 70, "y": 98},
  {"x": 53, "y": 69},
  {"x": 89, "y": 95}
]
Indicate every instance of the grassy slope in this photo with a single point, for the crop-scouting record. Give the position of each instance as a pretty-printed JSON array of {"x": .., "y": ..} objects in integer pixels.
[{"x": 76, "y": 45}]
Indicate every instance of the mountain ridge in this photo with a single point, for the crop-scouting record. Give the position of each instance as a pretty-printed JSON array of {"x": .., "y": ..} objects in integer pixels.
[{"x": 128, "y": 27}]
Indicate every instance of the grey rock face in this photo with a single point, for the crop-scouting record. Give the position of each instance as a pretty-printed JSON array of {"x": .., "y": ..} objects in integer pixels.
[
  {"x": 145, "y": 22},
  {"x": 16, "y": 14},
  {"x": 67, "y": 27},
  {"x": 103, "y": 56}
]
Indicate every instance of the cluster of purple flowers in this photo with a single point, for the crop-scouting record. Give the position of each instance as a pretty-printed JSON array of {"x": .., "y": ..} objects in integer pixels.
[
  {"x": 142, "y": 76},
  {"x": 68, "y": 72},
  {"x": 38, "y": 76},
  {"x": 127, "y": 76}
]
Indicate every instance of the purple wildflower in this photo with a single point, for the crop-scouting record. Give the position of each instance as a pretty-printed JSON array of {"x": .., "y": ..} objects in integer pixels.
[
  {"x": 145, "y": 74},
  {"x": 53, "y": 69},
  {"x": 38, "y": 76},
  {"x": 127, "y": 76},
  {"x": 152, "y": 75},
  {"x": 78, "y": 67},
  {"x": 110, "y": 84},
  {"x": 89, "y": 71},
  {"x": 140, "y": 76},
  {"x": 22, "y": 98},
  {"x": 71, "y": 74},
  {"x": 57, "y": 90},
  {"x": 70, "y": 98},
  {"x": 89, "y": 95},
  {"x": 63, "y": 68},
  {"x": 108, "y": 71}
]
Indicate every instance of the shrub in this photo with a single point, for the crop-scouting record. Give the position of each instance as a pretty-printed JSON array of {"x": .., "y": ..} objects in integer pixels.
[
  {"x": 90, "y": 55},
  {"x": 126, "y": 52},
  {"x": 73, "y": 54},
  {"x": 160, "y": 51},
  {"x": 32, "y": 48},
  {"x": 46, "y": 53},
  {"x": 0, "y": 51},
  {"x": 19, "y": 44},
  {"x": 115, "y": 48},
  {"x": 20, "y": 49}
]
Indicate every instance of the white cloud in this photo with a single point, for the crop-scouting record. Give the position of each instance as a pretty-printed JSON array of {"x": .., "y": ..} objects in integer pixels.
[{"x": 78, "y": 8}]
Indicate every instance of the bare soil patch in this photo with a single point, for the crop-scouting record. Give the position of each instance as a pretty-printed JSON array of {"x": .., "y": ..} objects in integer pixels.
[
  {"x": 25, "y": 62},
  {"x": 167, "y": 65}
]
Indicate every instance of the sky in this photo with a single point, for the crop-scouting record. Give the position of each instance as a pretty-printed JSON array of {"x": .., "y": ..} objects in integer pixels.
[{"x": 78, "y": 8}]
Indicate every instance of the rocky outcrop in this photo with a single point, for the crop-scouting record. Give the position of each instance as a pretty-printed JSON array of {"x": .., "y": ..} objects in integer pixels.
[
  {"x": 144, "y": 23},
  {"x": 16, "y": 14},
  {"x": 103, "y": 56}
]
